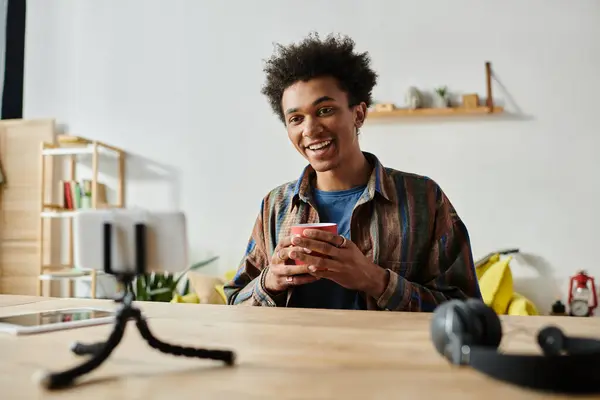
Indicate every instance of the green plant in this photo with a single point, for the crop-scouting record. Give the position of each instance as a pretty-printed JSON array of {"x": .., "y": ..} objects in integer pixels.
[
  {"x": 442, "y": 91},
  {"x": 162, "y": 287}
]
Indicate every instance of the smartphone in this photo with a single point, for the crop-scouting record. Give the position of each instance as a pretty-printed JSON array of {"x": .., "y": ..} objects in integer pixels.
[
  {"x": 165, "y": 247},
  {"x": 46, "y": 321}
]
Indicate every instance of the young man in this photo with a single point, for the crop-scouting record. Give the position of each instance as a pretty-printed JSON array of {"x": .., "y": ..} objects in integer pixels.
[{"x": 400, "y": 244}]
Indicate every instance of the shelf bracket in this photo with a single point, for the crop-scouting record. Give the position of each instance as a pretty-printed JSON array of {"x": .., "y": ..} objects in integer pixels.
[{"x": 488, "y": 77}]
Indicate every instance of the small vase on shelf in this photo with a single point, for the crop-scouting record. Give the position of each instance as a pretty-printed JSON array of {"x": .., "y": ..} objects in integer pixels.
[{"x": 440, "y": 98}]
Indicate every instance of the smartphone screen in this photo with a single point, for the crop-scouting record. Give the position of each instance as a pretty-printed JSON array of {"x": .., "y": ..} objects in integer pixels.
[{"x": 54, "y": 317}]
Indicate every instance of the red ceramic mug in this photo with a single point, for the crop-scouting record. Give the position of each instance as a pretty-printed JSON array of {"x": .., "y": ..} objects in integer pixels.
[{"x": 324, "y": 226}]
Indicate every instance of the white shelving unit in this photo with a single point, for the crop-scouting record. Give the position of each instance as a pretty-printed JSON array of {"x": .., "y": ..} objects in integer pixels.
[
  {"x": 57, "y": 214},
  {"x": 71, "y": 147}
]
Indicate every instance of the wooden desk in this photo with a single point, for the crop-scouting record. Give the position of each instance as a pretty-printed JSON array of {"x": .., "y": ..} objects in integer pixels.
[{"x": 282, "y": 353}]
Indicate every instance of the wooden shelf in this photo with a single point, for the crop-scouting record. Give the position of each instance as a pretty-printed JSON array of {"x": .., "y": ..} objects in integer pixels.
[
  {"x": 71, "y": 146},
  {"x": 68, "y": 275},
  {"x": 434, "y": 112},
  {"x": 58, "y": 214},
  {"x": 388, "y": 110},
  {"x": 57, "y": 211},
  {"x": 74, "y": 145}
]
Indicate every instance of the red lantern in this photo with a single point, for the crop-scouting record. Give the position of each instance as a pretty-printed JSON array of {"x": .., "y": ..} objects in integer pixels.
[{"x": 582, "y": 295}]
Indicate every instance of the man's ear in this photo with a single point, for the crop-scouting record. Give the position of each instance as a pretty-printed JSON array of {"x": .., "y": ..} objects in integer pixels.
[{"x": 360, "y": 114}]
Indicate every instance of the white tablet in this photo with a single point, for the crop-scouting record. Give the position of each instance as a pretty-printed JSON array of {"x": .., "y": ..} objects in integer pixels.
[{"x": 47, "y": 321}]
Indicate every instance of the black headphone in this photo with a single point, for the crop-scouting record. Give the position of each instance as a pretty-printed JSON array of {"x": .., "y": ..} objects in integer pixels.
[{"x": 469, "y": 333}]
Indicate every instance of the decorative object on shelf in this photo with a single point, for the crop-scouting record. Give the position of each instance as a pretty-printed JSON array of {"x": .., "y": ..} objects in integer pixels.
[
  {"x": 470, "y": 100},
  {"x": 582, "y": 295},
  {"x": 413, "y": 98},
  {"x": 440, "y": 98},
  {"x": 445, "y": 110},
  {"x": 558, "y": 308},
  {"x": 76, "y": 194},
  {"x": 384, "y": 107}
]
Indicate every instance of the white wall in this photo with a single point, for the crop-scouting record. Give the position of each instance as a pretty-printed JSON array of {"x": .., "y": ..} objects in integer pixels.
[{"x": 177, "y": 83}]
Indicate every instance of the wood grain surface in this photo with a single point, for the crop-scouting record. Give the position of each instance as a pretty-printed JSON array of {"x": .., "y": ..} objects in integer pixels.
[{"x": 281, "y": 353}]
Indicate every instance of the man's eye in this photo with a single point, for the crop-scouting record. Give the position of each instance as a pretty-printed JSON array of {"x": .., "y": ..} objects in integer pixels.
[
  {"x": 325, "y": 110},
  {"x": 295, "y": 119}
]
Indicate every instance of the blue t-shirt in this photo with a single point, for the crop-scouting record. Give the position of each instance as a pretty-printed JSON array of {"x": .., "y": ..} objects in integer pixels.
[{"x": 334, "y": 207}]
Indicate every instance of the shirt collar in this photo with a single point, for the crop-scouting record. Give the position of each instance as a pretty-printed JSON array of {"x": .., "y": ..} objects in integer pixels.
[{"x": 379, "y": 182}]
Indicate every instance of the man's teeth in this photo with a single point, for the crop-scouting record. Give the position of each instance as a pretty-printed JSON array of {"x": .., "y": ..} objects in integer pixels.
[{"x": 319, "y": 145}]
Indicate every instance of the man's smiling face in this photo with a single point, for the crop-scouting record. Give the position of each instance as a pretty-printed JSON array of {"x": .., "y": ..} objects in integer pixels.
[{"x": 320, "y": 123}]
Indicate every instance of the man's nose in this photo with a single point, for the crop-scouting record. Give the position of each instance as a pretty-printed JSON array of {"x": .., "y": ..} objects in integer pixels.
[{"x": 312, "y": 127}]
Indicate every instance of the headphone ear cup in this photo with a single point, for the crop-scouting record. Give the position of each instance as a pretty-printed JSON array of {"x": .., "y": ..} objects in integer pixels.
[
  {"x": 552, "y": 340},
  {"x": 491, "y": 327},
  {"x": 445, "y": 317}
]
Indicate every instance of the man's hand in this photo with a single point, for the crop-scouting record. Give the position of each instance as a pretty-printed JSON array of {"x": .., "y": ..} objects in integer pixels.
[
  {"x": 346, "y": 264},
  {"x": 282, "y": 273}
]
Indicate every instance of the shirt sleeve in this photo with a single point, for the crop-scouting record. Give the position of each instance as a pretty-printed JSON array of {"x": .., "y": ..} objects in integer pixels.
[
  {"x": 448, "y": 273},
  {"x": 248, "y": 287}
]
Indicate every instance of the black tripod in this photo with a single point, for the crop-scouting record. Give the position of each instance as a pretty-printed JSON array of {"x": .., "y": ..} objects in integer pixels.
[{"x": 99, "y": 352}]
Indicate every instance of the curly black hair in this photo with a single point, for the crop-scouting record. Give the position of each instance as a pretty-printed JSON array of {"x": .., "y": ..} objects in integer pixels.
[{"x": 311, "y": 58}]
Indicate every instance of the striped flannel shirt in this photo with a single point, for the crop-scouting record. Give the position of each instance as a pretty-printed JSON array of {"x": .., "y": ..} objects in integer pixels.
[{"x": 403, "y": 222}]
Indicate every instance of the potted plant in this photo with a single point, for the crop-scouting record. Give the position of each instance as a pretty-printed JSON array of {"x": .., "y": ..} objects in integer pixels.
[
  {"x": 440, "y": 98},
  {"x": 162, "y": 287}
]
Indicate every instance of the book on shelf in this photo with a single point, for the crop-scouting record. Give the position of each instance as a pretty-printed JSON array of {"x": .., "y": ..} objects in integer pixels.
[{"x": 77, "y": 195}]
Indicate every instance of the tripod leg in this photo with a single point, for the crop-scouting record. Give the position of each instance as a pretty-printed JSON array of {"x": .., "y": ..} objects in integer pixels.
[
  {"x": 61, "y": 379},
  {"x": 221, "y": 355},
  {"x": 82, "y": 349}
]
